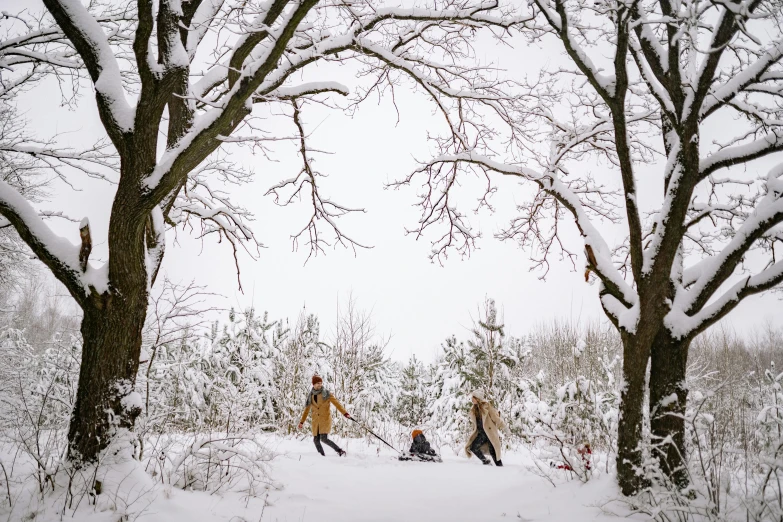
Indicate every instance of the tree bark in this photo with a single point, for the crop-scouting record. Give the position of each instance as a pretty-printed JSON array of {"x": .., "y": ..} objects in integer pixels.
[
  {"x": 112, "y": 330},
  {"x": 668, "y": 399},
  {"x": 629, "y": 431},
  {"x": 110, "y": 359}
]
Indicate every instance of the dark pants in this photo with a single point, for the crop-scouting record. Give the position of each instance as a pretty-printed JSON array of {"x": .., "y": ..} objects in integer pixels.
[
  {"x": 478, "y": 442},
  {"x": 324, "y": 437}
]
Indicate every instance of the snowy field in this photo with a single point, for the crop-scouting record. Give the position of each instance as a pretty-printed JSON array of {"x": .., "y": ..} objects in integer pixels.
[{"x": 365, "y": 486}]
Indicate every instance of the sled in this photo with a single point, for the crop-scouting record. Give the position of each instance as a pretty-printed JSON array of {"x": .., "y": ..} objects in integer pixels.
[{"x": 420, "y": 457}]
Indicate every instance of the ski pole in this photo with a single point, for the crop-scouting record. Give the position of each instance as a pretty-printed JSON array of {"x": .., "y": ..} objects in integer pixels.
[{"x": 374, "y": 435}]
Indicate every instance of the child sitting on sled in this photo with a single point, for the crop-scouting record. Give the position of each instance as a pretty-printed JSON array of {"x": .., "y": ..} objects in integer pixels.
[
  {"x": 420, "y": 450},
  {"x": 420, "y": 444}
]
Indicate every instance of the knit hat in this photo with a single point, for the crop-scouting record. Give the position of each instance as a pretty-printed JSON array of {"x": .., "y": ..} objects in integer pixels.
[
  {"x": 316, "y": 379},
  {"x": 478, "y": 394},
  {"x": 416, "y": 433}
]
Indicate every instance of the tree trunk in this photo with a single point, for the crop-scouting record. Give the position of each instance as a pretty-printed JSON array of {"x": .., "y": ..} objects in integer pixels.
[
  {"x": 112, "y": 334},
  {"x": 629, "y": 430},
  {"x": 110, "y": 359},
  {"x": 668, "y": 398}
]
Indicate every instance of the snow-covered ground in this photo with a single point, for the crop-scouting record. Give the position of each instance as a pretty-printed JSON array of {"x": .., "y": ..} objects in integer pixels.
[{"x": 371, "y": 486}]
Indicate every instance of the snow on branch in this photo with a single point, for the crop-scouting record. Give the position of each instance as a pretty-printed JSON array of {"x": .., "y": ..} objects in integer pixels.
[
  {"x": 200, "y": 24},
  {"x": 560, "y": 22},
  {"x": 94, "y": 162},
  {"x": 691, "y": 312},
  {"x": 92, "y": 44},
  {"x": 59, "y": 254},
  {"x": 771, "y": 142},
  {"x": 751, "y": 75},
  {"x": 683, "y": 325}
]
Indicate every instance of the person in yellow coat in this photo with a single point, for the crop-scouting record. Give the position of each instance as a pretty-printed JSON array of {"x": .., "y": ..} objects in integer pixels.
[{"x": 319, "y": 401}]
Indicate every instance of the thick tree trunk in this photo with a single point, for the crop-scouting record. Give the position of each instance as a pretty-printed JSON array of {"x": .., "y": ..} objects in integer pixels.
[
  {"x": 110, "y": 360},
  {"x": 112, "y": 333},
  {"x": 668, "y": 397},
  {"x": 629, "y": 431}
]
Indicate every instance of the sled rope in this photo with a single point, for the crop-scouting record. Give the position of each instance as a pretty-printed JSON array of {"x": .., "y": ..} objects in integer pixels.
[{"x": 374, "y": 435}]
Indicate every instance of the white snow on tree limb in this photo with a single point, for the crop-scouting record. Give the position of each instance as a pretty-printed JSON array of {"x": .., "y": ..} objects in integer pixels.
[
  {"x": 15, "y": 206},
  {"x": 747, "y": 76},
  {"x": 680, "y": 324},
  {"x": 305, "y": 88},
  {"x": 200, "y": 24},
  {"x": 109, "y": 82},
  {"x": 605, "y": 82},
  {"x": 730, "y": 155}
]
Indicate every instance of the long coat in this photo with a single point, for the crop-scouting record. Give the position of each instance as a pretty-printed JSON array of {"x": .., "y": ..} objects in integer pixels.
[
  {"x": 492, "y": 426},
  {"x": 322, "y": 413}
]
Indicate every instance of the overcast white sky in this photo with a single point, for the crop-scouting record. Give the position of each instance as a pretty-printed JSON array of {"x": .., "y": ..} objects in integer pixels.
[{"x": 417, "y": 302}]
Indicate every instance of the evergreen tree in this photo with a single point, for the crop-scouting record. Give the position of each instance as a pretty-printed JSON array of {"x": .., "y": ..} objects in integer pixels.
[
  {"x": 246, "y": 357},
  {"x": 449, "y": 390},
  {"x": 491, "y": 357},
  {"x": 411, "y": 409}
]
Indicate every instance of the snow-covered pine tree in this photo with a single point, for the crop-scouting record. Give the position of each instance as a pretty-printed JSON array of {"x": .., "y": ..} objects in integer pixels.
[
  {"x": 449, "y": 392},
  {"x": 492, "y": 356},
  {"x": 411, "y": 408},
  {"x": 249, "y": 371}
]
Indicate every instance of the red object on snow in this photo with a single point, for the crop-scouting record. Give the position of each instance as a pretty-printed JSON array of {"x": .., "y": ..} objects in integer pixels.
[{"x": 585, "y": 453}]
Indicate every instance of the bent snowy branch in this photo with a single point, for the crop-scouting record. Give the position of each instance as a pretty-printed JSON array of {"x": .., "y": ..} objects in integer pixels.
[{"x": 57, "y": 253}]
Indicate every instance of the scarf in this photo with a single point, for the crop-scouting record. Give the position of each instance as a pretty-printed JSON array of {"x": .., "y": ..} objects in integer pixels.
[{"x": 324, "y": 393}]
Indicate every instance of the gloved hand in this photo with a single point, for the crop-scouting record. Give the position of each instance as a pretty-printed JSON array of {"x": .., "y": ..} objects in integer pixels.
[{"x": 347, "y": 415}]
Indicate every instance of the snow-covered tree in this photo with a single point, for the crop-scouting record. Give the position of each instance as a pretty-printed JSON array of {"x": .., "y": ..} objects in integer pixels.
[
  {"x": 247, "y": 370},
  {"x": 449, "y": 392},
  {"x": 412, "y": 401},
  {"x": 696, "y": 86},
  {"x": 493, "y": 356},
  {"x": 175, "y": 82},
  {"x": 486, "y": 361}
]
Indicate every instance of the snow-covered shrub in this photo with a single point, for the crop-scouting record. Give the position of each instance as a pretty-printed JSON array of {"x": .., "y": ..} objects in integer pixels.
[
  {"x": 564, "y": 430},
  {"x": 450, "y": 396},
  {"x": 766, "y": 502},
  {"x": 242, "y": 370},
  {"x": 212, "y": 462},
  {"x": 37, "y": 394}
]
